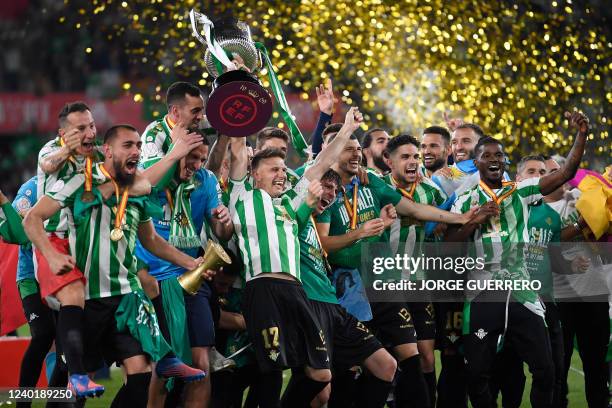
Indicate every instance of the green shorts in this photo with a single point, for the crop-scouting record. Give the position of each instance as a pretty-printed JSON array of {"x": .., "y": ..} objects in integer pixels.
[{"x": 174, "y": 307}]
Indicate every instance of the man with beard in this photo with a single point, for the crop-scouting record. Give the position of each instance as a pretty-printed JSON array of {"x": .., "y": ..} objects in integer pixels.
[
  {"x": 282, "y": 326},
  {"x": 351, "y": 342},
  {"x": 407, "y": 236},
  {"x": 356, "y": 217},
  {"x": 463, "y": 140},
  {"x": 190, "y": 200},
  {"x": 374, "y": 144},
  {"x": 500, "y": 226},
  {"x": 435, "y": 149},
  {"x": 102, "y": 245}
]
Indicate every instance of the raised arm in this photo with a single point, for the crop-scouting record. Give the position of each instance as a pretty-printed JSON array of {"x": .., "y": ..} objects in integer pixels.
[
  {"x": 239, "y": 160},
  {"x": 155, "y": 244},
  {"x": 552, "y": 181},
  {"x": 425, "y": 212},
  {"x": 217, "y": 154},
  {"x": 160, "y": 173},
  {"x": 54, "y": 161},
  {"x": 325, "y": 100},
  {"x": 329, "y": 156},
  {"x": 333, "y": 243}
]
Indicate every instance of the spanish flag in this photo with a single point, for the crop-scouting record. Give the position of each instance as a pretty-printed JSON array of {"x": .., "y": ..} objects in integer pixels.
[{"x": 595, "y": 202}]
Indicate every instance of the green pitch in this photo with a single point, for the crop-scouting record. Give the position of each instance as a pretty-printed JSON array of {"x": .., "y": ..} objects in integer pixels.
[{"x": 575, "y": 380}]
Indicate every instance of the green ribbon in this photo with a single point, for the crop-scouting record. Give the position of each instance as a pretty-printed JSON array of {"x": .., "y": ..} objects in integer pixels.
[{"x": 297, "y": 139}]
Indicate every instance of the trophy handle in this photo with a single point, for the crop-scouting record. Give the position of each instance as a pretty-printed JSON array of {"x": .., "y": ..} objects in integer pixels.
[
  {"x": 194, "y": 16},
  {"x": 214, "y": 47}
]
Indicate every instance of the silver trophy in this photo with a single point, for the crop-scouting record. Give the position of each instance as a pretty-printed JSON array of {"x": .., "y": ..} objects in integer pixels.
[{"x": 238, "y": 104}]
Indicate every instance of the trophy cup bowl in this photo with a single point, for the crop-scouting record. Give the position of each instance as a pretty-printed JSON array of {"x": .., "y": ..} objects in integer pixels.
[
  {"x": 238, "y": 105},
  {"x": 214, "y": 258}
]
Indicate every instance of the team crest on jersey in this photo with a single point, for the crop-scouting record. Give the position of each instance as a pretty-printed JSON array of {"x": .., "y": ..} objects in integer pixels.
[
  {"x": 481, "y": 334},
  {"x": 453, "y": 337},
  {"x": 150, "y": 150},
  {"x": 549, "y": 220},
  {"x": 284, "y": 215},
  {"x": 322, "y": 336},
  {"x": 273, "y": 355}
]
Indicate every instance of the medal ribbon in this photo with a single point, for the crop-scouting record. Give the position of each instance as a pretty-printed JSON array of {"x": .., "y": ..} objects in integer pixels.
[
  {"x": 408, "y": 194},
  {"x": 323, "y": 251},
  {"x": 169, "y": 198},
  {"x": 124, "y": 198},
  {"x": 491, "y": 193},
  {"x": 314, "y": 225},
  {"x": 88, "y": 174},
  {"x": 223, "y": 184},
  {"x": 351, "y": 209}
]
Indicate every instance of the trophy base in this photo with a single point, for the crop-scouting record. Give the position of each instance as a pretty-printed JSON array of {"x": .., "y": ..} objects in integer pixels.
[{"x": 238, "y": 106}]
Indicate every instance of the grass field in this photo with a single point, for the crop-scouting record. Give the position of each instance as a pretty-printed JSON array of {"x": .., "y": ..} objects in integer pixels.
[{"x": 575, "y": 380}]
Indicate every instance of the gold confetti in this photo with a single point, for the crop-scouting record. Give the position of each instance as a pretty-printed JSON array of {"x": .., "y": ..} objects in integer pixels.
[{"x": 513, "y": 70}]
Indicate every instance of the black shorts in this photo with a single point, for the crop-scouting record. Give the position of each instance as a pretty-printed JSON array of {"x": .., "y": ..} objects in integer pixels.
[
  {"x": 392, "y": 323},
  {"x": 284, "y": 330},
  {"x": 199, "y": 318},
  {"x": 101, "y": 340},
  {"x": 449, "y": 325},
  {"x": 424, "y": 319},
  {"x": 349, "y": 342}
]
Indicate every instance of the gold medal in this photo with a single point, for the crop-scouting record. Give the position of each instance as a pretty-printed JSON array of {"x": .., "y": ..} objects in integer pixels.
[
  {"x": 116, "y": 234},
  {"x": 87, "y": 197}
]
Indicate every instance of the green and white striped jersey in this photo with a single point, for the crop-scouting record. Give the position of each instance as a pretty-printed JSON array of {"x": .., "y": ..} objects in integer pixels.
[
  {"x": 266, "y": 227},
  {"x": 501, "y": 242},
  {"x": 110, "y": 267},
  {"x": 409, "y": 230},
  {"x": 59, "y": 222},
  {"x": 407, "y": 233},
  {"x": 156, "y": 142}
]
